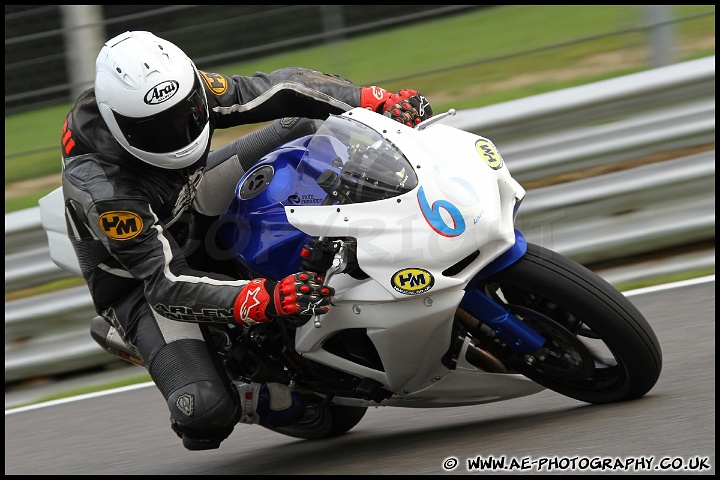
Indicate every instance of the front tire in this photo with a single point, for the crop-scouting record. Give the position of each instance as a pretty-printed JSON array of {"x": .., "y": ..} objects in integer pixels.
[{"x": 600, "y": 348}]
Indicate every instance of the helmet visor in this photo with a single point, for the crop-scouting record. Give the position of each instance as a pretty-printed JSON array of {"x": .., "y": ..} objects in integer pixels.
[{"x": 169, "y": 130}]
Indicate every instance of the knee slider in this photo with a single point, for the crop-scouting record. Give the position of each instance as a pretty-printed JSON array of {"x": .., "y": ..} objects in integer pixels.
[{"x": 203, "y": 414}]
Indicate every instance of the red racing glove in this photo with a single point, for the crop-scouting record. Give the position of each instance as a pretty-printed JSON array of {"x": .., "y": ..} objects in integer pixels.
[
  {"x": 407, "y": 106},
  {"x": 301, "y": 294}
]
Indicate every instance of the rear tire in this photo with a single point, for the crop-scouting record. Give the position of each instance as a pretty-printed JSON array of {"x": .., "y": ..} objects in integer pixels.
[
  {"x": 323, "y": 421},
  {"x": 600, "y": 347}
]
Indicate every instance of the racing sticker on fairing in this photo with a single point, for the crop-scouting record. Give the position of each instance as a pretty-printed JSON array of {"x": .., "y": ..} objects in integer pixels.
[
  {"x": 489, "y": 153},
  {"x": 412, "y": 281},
  {"x": 121, "y": 225}
]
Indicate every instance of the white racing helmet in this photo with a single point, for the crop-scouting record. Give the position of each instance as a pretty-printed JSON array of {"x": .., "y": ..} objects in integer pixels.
[{"x": 151, "y": 97}]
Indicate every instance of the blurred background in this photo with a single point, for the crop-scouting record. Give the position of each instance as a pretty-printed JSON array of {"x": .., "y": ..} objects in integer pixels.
[
  {"x": 460, "y": 56},
  {"x": 605, "y": 114},
  {"x": 50, "y": 50},
  {"x": 59, "y": 43}
]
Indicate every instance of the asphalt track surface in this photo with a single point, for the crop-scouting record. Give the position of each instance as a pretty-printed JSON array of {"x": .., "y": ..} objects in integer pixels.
[{"x": 669, "y": 431}]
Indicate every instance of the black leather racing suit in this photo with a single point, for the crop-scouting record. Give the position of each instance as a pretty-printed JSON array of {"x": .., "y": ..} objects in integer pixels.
[{"x": 128, "y": 222}]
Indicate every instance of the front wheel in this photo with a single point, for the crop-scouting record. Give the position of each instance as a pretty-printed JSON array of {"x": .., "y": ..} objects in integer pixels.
[{"x": 599, "y": 347}]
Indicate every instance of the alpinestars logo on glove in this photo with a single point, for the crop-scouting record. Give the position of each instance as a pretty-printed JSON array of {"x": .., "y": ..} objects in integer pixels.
[
  {"x": 254, "y": 303},
  {"x": 423, "y": 103},
  {"x": 251, "y": 301}
]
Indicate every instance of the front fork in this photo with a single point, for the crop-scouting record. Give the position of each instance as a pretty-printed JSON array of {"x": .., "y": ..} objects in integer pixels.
[{"x": 483, "y": 316}]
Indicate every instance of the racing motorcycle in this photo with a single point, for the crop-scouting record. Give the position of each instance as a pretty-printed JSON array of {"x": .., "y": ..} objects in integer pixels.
[{"x": 440, "y": 301}]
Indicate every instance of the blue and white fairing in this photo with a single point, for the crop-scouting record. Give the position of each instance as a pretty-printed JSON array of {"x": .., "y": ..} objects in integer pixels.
[
  {"x": 435, "y": 204},
  {"x": 427, "y": 210}
]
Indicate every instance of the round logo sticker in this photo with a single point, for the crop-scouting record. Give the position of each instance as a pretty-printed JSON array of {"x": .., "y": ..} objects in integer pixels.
[
  {"x": 121, "y": 225},
  {"x": 488, "y": 152},
  {"x": 412, "y": 281}
]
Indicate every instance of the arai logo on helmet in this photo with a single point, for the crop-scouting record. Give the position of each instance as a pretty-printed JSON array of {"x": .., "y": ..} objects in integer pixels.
[{"x": 162, "y": 92}]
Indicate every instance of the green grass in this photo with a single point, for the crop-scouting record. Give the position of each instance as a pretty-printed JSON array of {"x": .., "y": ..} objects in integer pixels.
[
  {"x": 45, "y": 288},
  {"x": 472, "y": 59},
  {"x": 28, "y": 200},
  {"x": 664, "y": 279},
  {"x": 74, "y": 392}
]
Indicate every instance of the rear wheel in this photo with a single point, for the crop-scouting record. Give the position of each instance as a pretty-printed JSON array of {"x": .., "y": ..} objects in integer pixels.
[
  {"x": 323, "y": 421},
  {"x": 599, "y": 347}
]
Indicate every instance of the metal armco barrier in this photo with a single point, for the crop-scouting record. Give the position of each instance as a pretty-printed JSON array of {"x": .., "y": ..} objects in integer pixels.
[{"x": 665, "y": 116}]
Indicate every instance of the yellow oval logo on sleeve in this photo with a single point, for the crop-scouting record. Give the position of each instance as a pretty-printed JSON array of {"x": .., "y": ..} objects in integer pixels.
[
  {"x": 121, "y": 225},
  {"x": 489, "y": 153},
  {"x": 215, "y": 82}
]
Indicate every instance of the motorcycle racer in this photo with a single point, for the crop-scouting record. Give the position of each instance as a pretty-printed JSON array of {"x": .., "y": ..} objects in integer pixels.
[{"x": 142, "y": 187}]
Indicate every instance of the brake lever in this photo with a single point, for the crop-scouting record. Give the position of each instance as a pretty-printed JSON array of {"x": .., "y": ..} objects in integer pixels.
[
  {"x": 434, "y": 119},
  {"x": 339, "y": 263}
]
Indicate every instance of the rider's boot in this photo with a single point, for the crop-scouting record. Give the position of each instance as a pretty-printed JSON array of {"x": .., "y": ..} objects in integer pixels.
[{"x": 269, "y": 404}]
